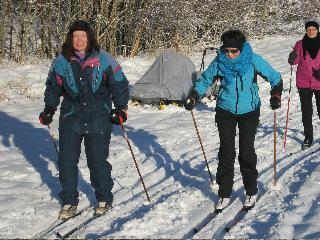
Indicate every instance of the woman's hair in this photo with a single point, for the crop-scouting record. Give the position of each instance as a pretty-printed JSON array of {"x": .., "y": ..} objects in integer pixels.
[
  {"x": 80, "y": 25},
  {"x": 233, "y": 38}
]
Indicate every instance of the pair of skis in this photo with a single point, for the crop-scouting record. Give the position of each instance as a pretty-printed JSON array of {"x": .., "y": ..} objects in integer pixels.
[
  {"x": 80, "y": 226},
  {"x": 227, "y": 227},
  {"x": 60, "y": 222}
]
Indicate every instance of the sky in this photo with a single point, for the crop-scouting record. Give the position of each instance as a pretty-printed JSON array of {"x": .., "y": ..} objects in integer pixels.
[{"x": 171, "y": 162}]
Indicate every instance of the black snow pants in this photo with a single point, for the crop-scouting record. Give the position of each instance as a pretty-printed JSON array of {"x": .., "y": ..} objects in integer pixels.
[
  {"x": 247, "y": 124},
  {"x": 306, "y": 95},
  {"x": 97, "y": 151}
]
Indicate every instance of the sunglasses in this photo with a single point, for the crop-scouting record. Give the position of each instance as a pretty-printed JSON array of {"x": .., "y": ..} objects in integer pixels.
[{"x": 232, "y": 51}]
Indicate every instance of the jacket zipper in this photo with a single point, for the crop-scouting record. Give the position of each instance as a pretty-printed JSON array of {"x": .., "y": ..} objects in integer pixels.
[{"x": 237, "y": 90}]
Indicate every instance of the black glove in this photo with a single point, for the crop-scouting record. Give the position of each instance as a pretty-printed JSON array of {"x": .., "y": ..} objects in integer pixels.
[
  {"x": 316, "y": 73},
  {"x": 118, "y": 116},
  {"x": 275, "y": 101},
  {"x": 46, "y": 117},
  {"x": 292, "y": 57},
  {"x": 191, "y": 101}
]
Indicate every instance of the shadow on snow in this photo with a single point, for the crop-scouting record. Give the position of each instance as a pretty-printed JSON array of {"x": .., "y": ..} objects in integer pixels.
[{"x": 37, "y": 147}]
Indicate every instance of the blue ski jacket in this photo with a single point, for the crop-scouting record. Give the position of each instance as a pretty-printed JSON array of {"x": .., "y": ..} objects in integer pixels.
[{"x": 239, "y": 91}]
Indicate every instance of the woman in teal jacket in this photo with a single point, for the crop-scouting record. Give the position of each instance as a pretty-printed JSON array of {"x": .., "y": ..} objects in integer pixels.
[{"x": 236, "y": 66}]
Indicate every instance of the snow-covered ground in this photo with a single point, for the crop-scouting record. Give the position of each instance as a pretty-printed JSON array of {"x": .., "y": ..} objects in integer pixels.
[{"x": 169, "y": 155}]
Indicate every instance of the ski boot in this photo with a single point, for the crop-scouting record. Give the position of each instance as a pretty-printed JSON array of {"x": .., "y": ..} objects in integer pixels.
[
  {"x": 222, "y": 204},
  {"x": 67, "y": 212},
  {"x": 102, "y": 208},
  {"x": 306, "y": 144},
  {"x": 249, "y": 202}
]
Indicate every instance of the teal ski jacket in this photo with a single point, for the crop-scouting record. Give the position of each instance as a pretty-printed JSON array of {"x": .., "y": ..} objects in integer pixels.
[
  {"x": 239, "y": 91},
  {"x": 88, "y": 90}
]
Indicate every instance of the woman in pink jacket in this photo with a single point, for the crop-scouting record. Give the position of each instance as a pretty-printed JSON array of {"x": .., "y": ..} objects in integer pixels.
[{"x": 306, "y": 55}]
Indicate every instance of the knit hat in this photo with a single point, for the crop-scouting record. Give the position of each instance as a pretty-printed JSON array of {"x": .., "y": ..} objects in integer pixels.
[
  {"x": 232, "y": 43},
  {"x": 80, "y": 25},
  {"x": 311, "y": 24},
  {"x": 233, "y": 39}
]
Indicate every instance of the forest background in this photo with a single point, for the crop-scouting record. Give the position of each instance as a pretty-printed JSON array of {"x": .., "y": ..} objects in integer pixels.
[{"x": 30, "y": 28}]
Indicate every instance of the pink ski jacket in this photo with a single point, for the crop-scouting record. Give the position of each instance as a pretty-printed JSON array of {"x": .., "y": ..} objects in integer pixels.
[{"x": 304, "y": 78}]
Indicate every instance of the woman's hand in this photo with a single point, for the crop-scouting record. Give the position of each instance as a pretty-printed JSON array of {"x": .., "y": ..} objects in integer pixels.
[{"x": 118, "y": 116}]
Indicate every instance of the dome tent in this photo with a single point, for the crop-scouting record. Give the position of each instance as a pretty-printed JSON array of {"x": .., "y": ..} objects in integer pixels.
[{"x": 170, "y": 78}]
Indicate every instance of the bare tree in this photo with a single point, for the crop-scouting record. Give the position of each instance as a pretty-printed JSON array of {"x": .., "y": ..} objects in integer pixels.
[{"x": 29, "y": 27}]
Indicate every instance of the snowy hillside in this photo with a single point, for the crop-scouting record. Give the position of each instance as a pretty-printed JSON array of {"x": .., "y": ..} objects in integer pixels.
[{"x": 169, "y": 155}]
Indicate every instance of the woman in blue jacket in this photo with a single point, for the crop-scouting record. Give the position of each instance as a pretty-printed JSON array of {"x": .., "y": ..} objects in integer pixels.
[
  {"x": 89, "y": 80},
  {"x": 238, "y": 103}
]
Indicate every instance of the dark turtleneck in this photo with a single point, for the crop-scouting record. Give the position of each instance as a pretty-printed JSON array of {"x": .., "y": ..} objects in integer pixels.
[{"x": 311, "y": 45}]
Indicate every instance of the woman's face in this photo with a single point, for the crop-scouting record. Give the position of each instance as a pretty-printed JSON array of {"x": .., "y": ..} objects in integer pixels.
[
  {"x": 231, "y": 52},
  {"x": 312, "y": 32},
  {"x": 80, "y": 41}
]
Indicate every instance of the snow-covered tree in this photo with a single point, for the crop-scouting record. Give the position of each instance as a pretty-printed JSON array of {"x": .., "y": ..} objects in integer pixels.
[{"x": 128, "y": 27}]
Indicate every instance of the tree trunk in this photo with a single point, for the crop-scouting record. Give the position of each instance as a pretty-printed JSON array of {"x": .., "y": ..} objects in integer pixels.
[
  {"x": 138, "y": 34},
  {"x": 137, "y": 40}
]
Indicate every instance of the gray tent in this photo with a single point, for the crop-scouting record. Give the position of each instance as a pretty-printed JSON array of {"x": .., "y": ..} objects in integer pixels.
[{"x": 171, "y": 77}]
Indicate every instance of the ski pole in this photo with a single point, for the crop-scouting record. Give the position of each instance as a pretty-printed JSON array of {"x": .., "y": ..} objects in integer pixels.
[
  {"x": 274, "y": 148},
  {"x": 53, "y": 140},
  {"x": 204, "y": 155},
  {"x": 287, "y": 117},
  {"x": 134, "y": 159}
]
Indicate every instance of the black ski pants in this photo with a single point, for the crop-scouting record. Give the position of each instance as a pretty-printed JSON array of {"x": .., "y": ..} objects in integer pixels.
[
  {"x": 247, "y": 124},
  {"x": 97, "y": 151},
  {"x": 306, "y": 95}
]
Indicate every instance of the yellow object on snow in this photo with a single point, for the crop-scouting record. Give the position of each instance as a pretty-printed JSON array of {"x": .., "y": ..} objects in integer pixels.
[{"x": 162, "y": 106}]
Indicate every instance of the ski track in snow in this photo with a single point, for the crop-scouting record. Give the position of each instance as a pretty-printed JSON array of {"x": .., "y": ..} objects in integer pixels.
[{"x": 170, "y": 159}]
